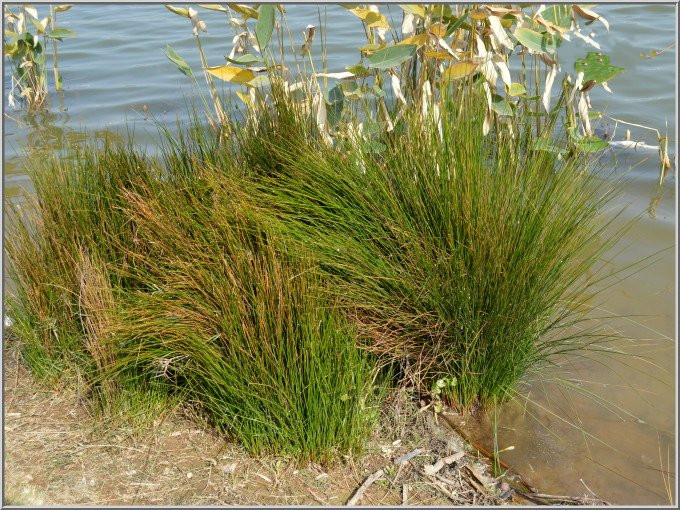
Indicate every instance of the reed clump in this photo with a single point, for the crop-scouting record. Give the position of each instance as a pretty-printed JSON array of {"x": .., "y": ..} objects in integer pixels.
[
  {"x": 267, "y": 278},
  {"x": 460, "y": 258}
]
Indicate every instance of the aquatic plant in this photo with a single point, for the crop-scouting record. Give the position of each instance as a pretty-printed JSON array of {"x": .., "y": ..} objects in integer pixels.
[
  {"x": 436, "y": 45},
  {"x": 27, "y": 54}
]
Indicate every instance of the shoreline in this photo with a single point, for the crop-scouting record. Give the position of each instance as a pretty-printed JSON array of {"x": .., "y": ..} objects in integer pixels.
[{"x": 57, "y": 454}]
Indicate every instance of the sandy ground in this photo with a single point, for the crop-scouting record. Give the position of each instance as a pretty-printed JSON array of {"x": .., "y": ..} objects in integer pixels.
[{"x": 57, "y": 453}]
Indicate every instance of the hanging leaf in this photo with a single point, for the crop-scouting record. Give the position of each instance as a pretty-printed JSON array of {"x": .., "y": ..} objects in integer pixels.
[
  {"x": 457, "y": 23},
  {"x": 545, "y": 144},
  {"x": 62, "y": 8},
  {"x": 178, "y": 10},
  {"x": 370, "y": 48},
  {"x": 214, "y": 7},
  {"x": 40, "y": 25},
  {"x": 516, "y": 89},
  {"x": 499, "y": 32},
  {"x": 246, "y": 59},
  {"x": 459, "y": 70},
  {"x": 391, "y": 56},
  {"x": 178, "y": 61},
  {"x": 358, "y": 70},
  {"x": 591, "y": 144},
  {"x": 596, "y": 67},
  {"x": 419, "y": 40},
  {"x": 231, "y": 74},
  {"x": 535, "y": 41},
  {"x": 439, "y": 55},
  {"x": 259, "y": 81},
  {"x": 559, "y": 15},
  {"x": 377, "y": 91},
  {"x": 265, "y": 26},
  {"x": 415, "y": 9},
  {"x": 589, "y": 15},
  {"x": 501, "y": 106},
  {"x": 246, "y": 10},
  {"x": 335, "y": 100},
  {"x": 372, "y": 19},
  {"x": 549, "y": 80},
  {"x": 61, "y": 33},
  {"x": 479, "y": 14}
]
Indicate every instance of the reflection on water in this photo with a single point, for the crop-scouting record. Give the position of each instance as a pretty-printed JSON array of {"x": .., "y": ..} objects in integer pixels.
[
  {"x": 565, "y": 442},
  {"x": 47, "y": 134}
]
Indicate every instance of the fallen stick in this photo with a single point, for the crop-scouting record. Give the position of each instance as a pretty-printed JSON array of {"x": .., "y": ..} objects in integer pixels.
[
  {"x": 441, "y": 488},
  {"x": 554, "y": 498},
  {"x": 364, "y": 486},
  {"x": 431, "y": 469},
  {"x": 476, "y": 481},
  {"x": 408, "y": 456},
  {"x": 487, "y": 454},
  {"x": 316, "y": 497}
]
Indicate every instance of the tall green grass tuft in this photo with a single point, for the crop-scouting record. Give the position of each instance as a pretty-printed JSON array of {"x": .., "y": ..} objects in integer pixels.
[
  {"x": 147, "y": 279},
  {"x": 458, "y": 256},
  {"x": 61, "y": 245},
  {"x": 248, "y": 335}
]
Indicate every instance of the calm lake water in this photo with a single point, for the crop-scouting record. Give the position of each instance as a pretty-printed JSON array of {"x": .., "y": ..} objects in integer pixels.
[{"x": 615, "y": 444}]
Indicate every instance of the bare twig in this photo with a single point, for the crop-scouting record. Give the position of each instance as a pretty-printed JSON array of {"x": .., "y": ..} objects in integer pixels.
[
  {"x": 431, "y": 469},
  {"x": 364, "y": 486},
  {"x": 408, "y": 456}
]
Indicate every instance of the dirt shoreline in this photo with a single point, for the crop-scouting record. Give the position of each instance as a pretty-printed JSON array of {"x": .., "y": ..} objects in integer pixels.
[{"x": 57, "y": 453}]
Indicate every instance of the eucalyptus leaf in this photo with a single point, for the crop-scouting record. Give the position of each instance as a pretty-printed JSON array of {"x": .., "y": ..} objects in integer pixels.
[{"x": 391, "y": 56}]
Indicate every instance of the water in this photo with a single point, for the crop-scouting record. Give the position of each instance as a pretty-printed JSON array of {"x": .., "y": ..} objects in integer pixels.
[{"x": 115, "y": 66}]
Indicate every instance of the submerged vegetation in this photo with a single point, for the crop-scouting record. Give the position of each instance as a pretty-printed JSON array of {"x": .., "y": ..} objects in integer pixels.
[{"x": 276, "y": 270}]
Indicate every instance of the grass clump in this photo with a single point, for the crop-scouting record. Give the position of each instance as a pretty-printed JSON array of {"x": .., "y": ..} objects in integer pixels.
[
  {"x": 150, "y": 282},
  {"x": 249, "y": 336},
  {"x": 264, "y": 278},
  {"x": 462, "y": 257},
  {"x": 63, "y": 236}
]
